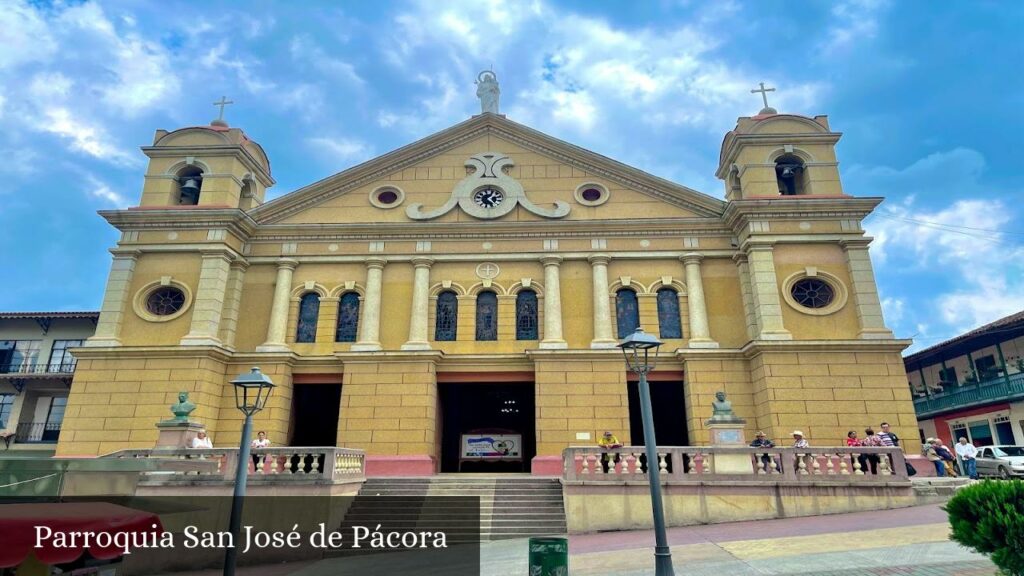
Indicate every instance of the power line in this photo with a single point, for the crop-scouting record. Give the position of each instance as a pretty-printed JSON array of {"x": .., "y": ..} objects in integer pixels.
[
  {"x": 932, "y": 223},
  {"x": 942, "y": 228}
]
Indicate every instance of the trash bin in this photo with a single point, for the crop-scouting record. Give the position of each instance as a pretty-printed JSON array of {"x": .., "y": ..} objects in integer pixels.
[{"x": 549, "y": 557}]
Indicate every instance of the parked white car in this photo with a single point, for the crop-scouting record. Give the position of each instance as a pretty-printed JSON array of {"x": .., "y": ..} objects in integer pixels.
[{"x": 1001, "y": 461}]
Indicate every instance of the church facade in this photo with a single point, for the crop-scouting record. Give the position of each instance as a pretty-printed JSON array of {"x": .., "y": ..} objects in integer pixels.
[{"x": 476, "y": 282}]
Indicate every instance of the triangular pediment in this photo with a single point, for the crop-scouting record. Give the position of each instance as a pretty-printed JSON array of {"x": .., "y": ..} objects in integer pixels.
[{"x": 548, "y": 173}]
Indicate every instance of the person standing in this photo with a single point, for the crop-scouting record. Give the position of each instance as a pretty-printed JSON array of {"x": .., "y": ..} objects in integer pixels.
[
  {"x": 261, "y": 441},
  {"x": 762, "y": 441},
  {"x": 607, "y": 442},
  {"x": 887, "y": 436},
  {"x": 202, "y": 440},
  {"x": 968, "y": 455},
  {"x": 931, "y": 453}
]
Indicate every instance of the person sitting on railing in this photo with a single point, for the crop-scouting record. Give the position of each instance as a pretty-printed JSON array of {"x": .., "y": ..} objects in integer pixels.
[
  {"x": 261, "y": 441},
  {"x": 870, "y": 440},
  {"x": 930, "y": 451},
  {"x": 762, "y": 441},
  {"x": 800, "y": 442},
  {"x": 947, "y": 457},
  {"x": 202, "y": 440},
  {"x": 852, "y": 441},
  {"x": 608, "y": 441}
]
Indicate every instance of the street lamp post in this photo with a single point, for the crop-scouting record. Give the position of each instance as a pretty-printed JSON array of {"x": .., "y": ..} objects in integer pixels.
[
  {"x": 641, "y": 352},
  {"x": 251, "y": 393}
]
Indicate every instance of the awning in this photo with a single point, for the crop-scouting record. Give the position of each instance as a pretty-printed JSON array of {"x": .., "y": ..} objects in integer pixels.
[{"x": 18, "y": 524}]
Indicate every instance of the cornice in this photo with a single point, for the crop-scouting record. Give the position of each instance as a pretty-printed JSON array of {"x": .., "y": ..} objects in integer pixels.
[
  {"x": 233, "y": 219},
  {"x": 213, "y": 150},
  {"x": 755, "y": 347},
  {"x": 471, "y": 129},
  {"x": 798, "y": 208},
  {"x": 733, "y": 142}
]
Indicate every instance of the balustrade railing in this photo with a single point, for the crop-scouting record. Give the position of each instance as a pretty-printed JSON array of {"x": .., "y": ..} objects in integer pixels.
[
  {"x": 42, "y": 432},
  {"x": 997, "y": 389},
  {"x": 689, "y": 463},
  {"x": 38, "y": 368},
  {"x": 283, "y": 464}
]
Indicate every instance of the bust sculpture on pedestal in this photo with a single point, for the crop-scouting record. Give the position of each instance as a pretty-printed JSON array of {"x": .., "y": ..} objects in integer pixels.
[
  {"x": 178, "y": 432},
  {"x": 727, "y": 430}
]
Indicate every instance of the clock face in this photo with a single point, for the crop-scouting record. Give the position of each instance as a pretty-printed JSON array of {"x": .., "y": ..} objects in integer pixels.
[{"x": 488, "y": 197}]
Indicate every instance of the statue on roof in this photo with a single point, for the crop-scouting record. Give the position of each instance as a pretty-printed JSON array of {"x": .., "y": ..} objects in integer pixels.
[{"x": 487, "y": 91}]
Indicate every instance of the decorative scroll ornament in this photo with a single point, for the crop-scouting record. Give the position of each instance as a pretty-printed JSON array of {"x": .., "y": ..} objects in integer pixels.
[{"x": 488, "y": 193}]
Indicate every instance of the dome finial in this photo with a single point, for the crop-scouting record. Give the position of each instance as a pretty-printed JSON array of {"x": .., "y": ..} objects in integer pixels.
[
  {"x": 764, "y": 96},
  {"x": 220, "y": 117}
]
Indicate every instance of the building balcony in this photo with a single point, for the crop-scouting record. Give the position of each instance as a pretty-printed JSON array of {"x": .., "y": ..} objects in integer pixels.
[
  {"x": 34, "y": 433},
  {"x": 989, "y": 391},
  {"x": 25, "y": 368}
]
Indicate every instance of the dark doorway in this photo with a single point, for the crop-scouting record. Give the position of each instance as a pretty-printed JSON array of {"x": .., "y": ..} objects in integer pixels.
[
  {"x": 484, "y": 410},
  {"x": 315, "y": 414},
  {"x": 669, "y": 405}
]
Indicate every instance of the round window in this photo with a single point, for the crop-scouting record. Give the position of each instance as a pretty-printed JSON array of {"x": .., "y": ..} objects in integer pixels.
[
  {"x": 165, "y": 301},
  {"x": 813, "y": 293},
  {"x": 591, "y": 194},
  {"x": 387, "y": 197}
]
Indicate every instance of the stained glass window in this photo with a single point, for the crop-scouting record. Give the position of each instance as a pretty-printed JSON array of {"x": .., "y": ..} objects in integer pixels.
[
  {"x": 165, "y": 301},
  {"x": 526, "y": 315},
  {"x": 487, "y": 316},
  {"x": 668, "y": 314},
  {"x": 348, "y": 318},
  {"x": 627, "y": 312},
  {"x": 813, "y": 293},
  {"x": 446, "y": 323},
  {"x": 309, "y": 310}
]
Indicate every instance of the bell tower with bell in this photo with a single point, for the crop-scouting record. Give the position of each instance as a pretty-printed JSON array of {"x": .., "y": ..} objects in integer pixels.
[
  {"x": 214, "y": 166},
  {"x": 773, "y": 155}
]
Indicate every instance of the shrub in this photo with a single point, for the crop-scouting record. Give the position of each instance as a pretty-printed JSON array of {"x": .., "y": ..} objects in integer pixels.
[{"x": 989, "y": 517}]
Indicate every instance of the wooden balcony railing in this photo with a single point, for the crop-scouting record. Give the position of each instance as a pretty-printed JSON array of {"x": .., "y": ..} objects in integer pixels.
[
  {"x": 708, "y": 463},
  {"x": 266, "y": 465}
]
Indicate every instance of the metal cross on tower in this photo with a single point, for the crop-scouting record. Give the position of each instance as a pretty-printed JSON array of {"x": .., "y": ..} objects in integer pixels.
[
  {"x": 220, "y": 117},
  {"x": 764, "y": 96}
]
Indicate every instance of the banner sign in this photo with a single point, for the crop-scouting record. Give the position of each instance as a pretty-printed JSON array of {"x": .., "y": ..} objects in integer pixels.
[{"x": 492, "y": 446}]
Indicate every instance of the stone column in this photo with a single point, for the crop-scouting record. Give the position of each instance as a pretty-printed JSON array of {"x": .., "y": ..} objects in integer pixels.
[
  {"x": 743, "y": 268},
  {"x": 552, "y": 304},
  {"x": 369, "y": 324},
  {"x": 418, "y": 329},
  {"x": 864, "y": 291},
  {"x": 208, "y": 308},
  {"x": 232, "y": 301},
  {"x": 603, "y": 336},
  {"x": 765, "y": 291},
  {"x": 278, "y": 324},
  {"x": 700, "y": 330},
  {"x": 115, "y": 300}
]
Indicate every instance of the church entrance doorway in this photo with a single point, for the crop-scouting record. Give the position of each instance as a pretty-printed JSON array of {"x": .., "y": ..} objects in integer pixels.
[
  {"x": 315, "y": 414},
  {"x": 669, "y": 407},
  {"x": 486, "y": 427}
]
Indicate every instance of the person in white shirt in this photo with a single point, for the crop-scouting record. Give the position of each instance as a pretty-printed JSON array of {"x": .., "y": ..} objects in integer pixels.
[
  {"x": 202, "y": 440},
  {"x": 968, "y": 455},
  {"x": 261, "y": 441}
]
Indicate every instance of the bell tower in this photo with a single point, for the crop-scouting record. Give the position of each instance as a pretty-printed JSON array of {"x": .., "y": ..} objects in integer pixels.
[
  {"x": 774, "y": 155},
  {"x": 213, "y": 166}
]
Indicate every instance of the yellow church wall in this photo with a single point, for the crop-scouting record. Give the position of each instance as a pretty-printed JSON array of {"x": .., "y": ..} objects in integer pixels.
[
  {"x": 254, "y": 307},
  {"x": 150, "y": 268},
  {"x": 577, "y": 303},
  {"x": 724, "y": 301},
  {"x": 275, "y": 419},
  {"x": 828, "y": 258},
  {"x": 708, "y": 373}
]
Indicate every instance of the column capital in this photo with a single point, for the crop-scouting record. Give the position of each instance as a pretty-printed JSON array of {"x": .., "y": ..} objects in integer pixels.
[
  {"x": 422, "y": 262},
  {"x": 214, "y": 253},
  {"x": 126, "y": 253},
  {"x": 239, "y": 264},
  {"x": 740, "y": 257},
  {"x": 599, "y": 259},
  {"x": 375, "y": 262},
  {"x": 760, "y": 247},
  {"x": 287, "y": 264},
  {"x": 691, "y": 258},
  {"x": 551, "y": 260}
]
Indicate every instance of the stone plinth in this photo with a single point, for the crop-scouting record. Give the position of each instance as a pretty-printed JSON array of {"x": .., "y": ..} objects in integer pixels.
[
  {"x": 729, "y": 433},
  {"x": 174, "y": 434}
]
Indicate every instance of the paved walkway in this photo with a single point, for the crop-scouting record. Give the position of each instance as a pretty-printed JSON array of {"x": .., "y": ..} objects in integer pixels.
[{"x": 905, "y": 542}]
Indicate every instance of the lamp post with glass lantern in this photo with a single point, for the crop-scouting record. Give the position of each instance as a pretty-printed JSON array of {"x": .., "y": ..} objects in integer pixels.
[
  {"x": 251, "y": 393},
  {"x": 641, "y": 352}
]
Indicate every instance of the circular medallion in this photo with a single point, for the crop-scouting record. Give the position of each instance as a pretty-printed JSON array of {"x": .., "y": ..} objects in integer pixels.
[
  {"x": 488, "y": 197},
  {"x": 488, "y": 271}
]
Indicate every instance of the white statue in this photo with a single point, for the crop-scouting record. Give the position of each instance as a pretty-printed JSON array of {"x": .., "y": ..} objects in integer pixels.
[{"x": 487, "y": 91}]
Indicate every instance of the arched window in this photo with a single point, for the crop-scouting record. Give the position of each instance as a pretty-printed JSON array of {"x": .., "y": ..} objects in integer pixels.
[
  {"x": 309, "y": 310},
  {"x": 446, "y": 323},
  {"x": 526, "y": 315},
  {"x": 487, "y": 316},
  {"x": 668, "y": 314},
  {"x": 789, "y": 171},
  {"x": 348, "y": 318},
  {"x": 627, "y": 311},
  {"x": 190, "y": 181}
]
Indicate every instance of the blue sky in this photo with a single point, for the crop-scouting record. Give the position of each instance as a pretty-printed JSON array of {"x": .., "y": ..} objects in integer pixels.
[{"x": 929, "y": 97}]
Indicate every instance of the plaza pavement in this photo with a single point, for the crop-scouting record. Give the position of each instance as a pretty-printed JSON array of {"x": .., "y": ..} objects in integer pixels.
[{"x": 904, "y": 542}]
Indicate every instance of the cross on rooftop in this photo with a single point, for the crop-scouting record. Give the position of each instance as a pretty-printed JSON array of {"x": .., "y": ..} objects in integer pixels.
[
  {"x": 220, "y": 117},
  {"x": 764, "y": 96}
]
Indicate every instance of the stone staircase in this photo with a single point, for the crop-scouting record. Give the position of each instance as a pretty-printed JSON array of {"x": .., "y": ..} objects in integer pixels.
[{"x": 510, "y": 506}]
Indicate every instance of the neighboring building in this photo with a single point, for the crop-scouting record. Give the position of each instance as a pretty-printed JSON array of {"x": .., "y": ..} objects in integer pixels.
[
  {"x": 477, "y": 281},
  {"x": 36, "y": 367},
  {"x": 972, "y": 385}
]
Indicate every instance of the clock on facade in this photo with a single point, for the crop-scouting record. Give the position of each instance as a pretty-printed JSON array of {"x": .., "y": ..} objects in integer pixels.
[{"x": 488, "y": 197}]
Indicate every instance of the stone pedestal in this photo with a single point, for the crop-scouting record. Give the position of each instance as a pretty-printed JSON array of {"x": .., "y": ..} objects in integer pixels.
[
  {"x": 729, "y": 433},
  {"x": 174, "y": 434}
]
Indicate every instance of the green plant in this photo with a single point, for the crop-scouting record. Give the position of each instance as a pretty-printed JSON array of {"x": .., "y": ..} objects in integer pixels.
[{"x": 989, "y": 517}]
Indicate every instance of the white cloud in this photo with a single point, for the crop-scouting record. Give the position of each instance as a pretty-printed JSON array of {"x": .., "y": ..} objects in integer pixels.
[
  {"x": 24, "y": 36},
  {"x": 85, "y": 136},
  {"x": 854, "y": 21},
  {"x": 99, "y": 190},
  {"x": 340, "y": 150},
  {"x": 303, "y": 49}
]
